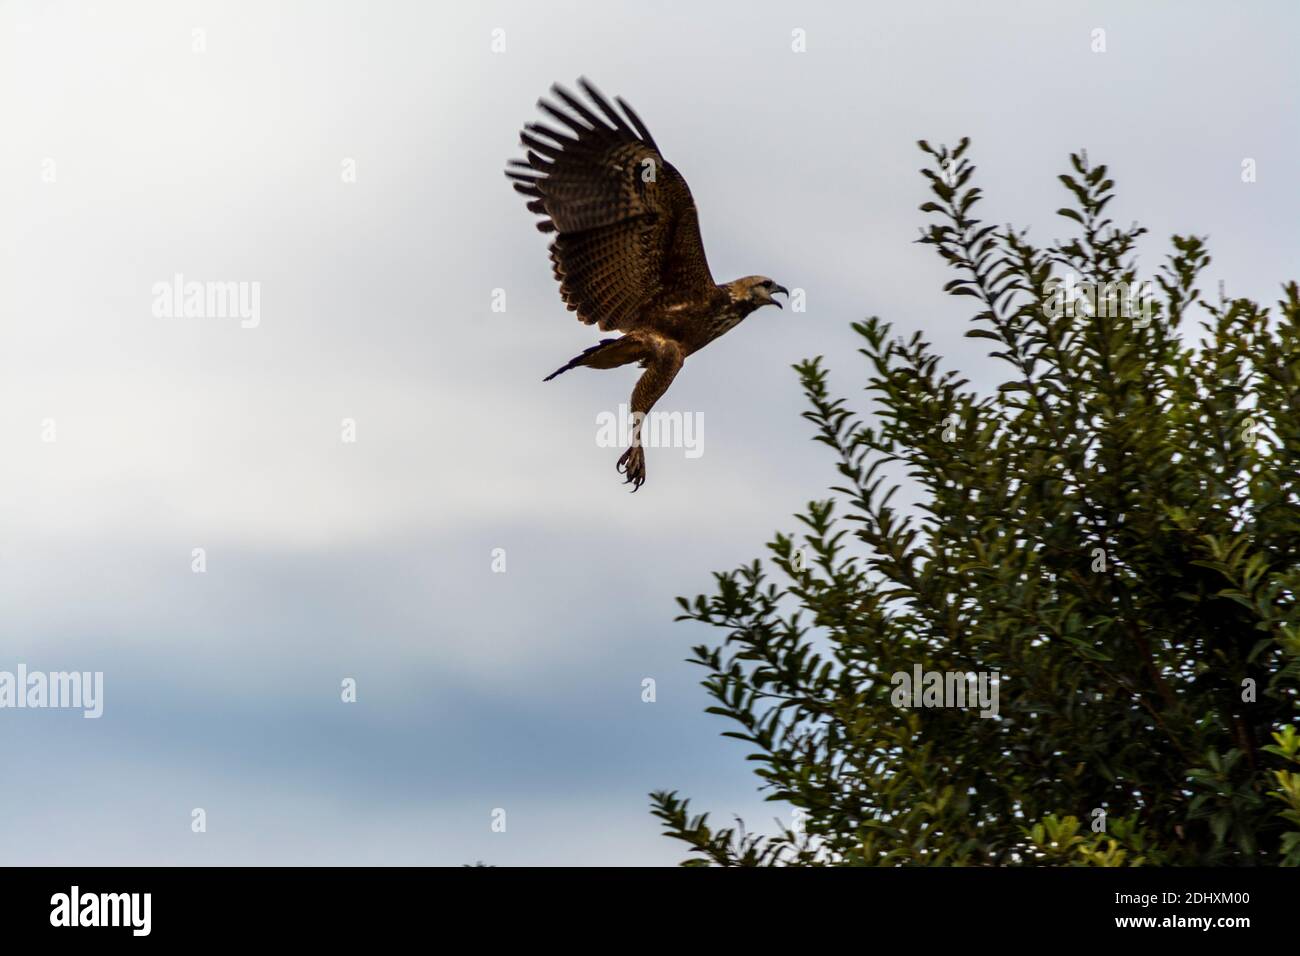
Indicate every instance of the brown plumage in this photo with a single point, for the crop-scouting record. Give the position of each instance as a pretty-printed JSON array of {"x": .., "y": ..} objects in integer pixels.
[{"x": 627, "y": 251}]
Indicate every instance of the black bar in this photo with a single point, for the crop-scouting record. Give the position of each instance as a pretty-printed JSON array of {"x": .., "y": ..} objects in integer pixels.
[{"x": 377, "y": 904}]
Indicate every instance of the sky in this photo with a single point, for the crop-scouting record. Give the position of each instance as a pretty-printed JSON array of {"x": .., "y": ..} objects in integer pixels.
[{"x": 347, "y": 158}]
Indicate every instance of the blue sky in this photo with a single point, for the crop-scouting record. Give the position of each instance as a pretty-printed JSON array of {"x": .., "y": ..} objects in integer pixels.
[{"x": 372, "y": 560}]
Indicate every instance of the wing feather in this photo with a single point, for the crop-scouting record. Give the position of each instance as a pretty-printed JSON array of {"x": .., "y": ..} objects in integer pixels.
[{"x": 627, "y": 231}]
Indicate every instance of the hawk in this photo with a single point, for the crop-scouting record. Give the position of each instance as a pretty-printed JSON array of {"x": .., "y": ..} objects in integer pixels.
[{"x": 627, "y": 251}]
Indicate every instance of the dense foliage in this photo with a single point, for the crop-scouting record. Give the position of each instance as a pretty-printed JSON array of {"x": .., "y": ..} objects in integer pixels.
[{"x": 1114, "y": 532}]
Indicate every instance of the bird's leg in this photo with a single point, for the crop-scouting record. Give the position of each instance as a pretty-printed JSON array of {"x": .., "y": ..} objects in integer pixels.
[{"x": 660, "y": 370}]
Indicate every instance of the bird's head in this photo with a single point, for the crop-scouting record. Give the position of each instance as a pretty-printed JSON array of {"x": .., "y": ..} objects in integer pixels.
[{"x": 756, "y": 291}]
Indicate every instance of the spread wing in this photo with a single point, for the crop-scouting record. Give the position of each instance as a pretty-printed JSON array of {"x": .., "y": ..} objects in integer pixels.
[{"x": 627, "y": 233}]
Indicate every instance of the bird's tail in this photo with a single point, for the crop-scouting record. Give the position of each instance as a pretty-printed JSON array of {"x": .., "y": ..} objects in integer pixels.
[{"x": 607, "y": 353}]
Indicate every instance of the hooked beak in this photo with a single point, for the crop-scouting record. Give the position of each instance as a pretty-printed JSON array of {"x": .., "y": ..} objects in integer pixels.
[{"x": 782, "y": 289}]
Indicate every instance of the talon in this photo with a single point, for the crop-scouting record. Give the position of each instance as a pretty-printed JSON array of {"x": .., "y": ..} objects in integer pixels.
[{"x": 632, "y": 464}]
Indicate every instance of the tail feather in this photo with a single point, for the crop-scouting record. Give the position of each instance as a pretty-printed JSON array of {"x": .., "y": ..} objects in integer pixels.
[{"x": 607, "y": 353}]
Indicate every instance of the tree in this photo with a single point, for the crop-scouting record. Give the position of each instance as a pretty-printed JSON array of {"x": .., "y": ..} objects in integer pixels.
[{"x": 1111, "y": 538}]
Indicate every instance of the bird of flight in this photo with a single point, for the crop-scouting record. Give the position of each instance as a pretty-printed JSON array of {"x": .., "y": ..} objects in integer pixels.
[{"x": 627, "y": 250}]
